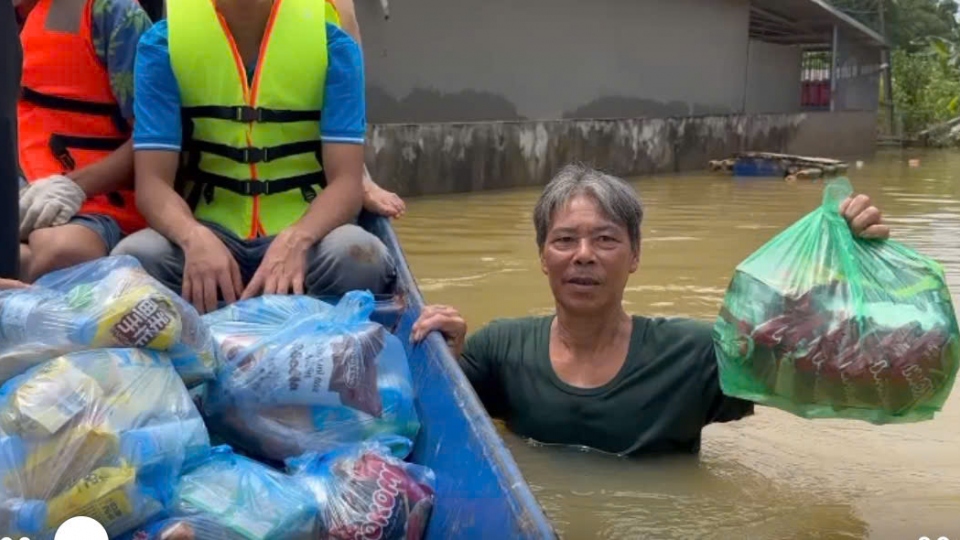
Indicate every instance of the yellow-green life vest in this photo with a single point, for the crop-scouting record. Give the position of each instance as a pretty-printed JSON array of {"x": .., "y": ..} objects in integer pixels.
[{"x": 254, "y": 149}]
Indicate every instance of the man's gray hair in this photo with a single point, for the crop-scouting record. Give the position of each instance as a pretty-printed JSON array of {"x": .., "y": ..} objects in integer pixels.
[{"x": 616, "y": 199}]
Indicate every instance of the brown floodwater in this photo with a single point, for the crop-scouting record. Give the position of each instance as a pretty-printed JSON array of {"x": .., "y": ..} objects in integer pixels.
[{"x": 770, "y": 476}]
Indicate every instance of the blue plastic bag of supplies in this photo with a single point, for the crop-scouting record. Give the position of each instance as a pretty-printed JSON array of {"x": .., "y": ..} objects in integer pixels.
[
  {"x": 109, "y": 302},
  {"x": 364, "y": 491},
  {"x": 227, "y": 496},
  {"x": 102, "y": 433},
  {"x": 310, "y": 383},
  {"x": 269, "y": 310}
]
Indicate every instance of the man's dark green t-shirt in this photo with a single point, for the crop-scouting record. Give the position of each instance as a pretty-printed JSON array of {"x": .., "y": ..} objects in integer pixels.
[{"x": 666, "y": 392}]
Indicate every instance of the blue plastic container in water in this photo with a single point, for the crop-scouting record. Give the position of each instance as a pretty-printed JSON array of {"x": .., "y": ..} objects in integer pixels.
[{"x": 758, "y": 167}]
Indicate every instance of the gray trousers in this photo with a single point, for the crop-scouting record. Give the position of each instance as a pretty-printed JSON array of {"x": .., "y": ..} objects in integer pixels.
[{"x": 349, "y": 258}]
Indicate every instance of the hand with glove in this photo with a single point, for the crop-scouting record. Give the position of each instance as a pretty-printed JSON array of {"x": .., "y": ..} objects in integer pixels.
[{"x": 49, "y": 202}]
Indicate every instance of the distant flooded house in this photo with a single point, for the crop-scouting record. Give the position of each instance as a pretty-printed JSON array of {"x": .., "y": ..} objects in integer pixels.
[{"x": 468, "y": 95}]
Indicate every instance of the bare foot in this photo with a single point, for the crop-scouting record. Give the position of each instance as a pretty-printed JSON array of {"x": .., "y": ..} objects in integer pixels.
[{"x": 383, "y": 202}]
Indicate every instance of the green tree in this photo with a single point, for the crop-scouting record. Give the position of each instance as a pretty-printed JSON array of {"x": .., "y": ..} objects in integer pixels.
[
  {"x": 909, "y": 23},
  {"x": 925, "y": 88},
  {"x": 925, "y": 39}
]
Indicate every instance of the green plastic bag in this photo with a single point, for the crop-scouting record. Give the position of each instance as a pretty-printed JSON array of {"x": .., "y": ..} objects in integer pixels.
[{"x": 822, "y": 324}]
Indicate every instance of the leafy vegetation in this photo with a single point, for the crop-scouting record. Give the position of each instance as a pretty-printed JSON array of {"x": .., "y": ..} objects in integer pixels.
[
  {"x": 925, "y": 38},
  {"x": 925, "y": 89},
  {"x": 909, "y": 23}
]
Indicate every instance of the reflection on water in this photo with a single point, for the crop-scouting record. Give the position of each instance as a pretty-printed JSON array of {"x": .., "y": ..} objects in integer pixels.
[{"x": 770, "y": 476}]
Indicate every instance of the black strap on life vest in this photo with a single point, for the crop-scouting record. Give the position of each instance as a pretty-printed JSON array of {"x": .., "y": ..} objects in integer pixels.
[
  {"x": 252, "y": 188},
  {"x": 204, "y": 183},
  {"x": 255, "y": 155},
  {"x": 246, "y": 114},
  {"x": 58, "y": 103},
  {"x": 60, "y": 144}
]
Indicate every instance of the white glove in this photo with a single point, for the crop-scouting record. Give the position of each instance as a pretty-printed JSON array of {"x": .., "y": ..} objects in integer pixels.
[{"x": 49, "y": 202}]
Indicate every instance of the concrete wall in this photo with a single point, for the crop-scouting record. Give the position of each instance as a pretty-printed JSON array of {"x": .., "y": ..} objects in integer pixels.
[
  {"x": 463, "y": 60},
  {"x": 773, "y": 78},
  {"x": 468, "y": 96},
  {"x": 448, "y": 158}
]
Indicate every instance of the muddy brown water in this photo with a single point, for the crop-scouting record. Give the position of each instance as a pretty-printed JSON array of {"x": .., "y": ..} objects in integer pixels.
[{"x": 770, "y": 476}]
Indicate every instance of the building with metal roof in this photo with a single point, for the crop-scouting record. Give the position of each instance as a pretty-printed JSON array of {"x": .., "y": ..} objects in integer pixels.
[{"x": 466, "y": 95}]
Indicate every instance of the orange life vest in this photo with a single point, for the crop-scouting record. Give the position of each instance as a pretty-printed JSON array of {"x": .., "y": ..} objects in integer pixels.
[{"x": 67, "y": 117}]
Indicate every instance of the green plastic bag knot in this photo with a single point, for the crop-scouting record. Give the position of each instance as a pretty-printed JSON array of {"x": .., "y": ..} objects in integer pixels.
[{"x": 836, "y": 191}]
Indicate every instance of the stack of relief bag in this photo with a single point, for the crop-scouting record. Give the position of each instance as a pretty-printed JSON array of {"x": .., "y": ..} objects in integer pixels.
[{"x": 112, "y": 387}]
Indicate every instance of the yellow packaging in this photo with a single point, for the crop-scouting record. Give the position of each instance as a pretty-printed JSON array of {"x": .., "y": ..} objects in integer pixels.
[
  {"x": 102, "y": 495},
  {"x": 139, "y": 317},
  {"x": 56, "y": 463},
  {"x": 57, "y": 393}
]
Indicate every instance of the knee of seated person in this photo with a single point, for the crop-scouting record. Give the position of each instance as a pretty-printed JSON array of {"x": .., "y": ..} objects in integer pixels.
[
  {"x": 56, "y": 248},
  {"x": 147, "y": 246},
  {"x": 350, "y": 258}
]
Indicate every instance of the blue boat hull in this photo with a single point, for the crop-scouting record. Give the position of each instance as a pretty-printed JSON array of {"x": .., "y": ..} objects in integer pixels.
[{"x": 480, "y": 490}]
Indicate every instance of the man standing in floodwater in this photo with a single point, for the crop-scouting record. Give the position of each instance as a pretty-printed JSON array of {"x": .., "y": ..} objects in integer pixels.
[
  {"x": 592, "y": 375},
  {"x": 273, "y": 181}
]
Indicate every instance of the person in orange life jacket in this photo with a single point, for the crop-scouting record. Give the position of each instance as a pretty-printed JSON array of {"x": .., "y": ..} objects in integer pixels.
[
  {"x": 73, "y": 116},
  {"x": 220, "y": 229},
  {"x": 375, "y": 199}
]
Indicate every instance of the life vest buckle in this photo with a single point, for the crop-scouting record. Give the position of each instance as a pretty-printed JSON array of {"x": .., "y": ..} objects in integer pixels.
[
  {"x": 247, "y": 114},
  {"x": 208, "y": 193},
  {"x": 59, "y": 150},
  {"x": 253, "y": 188},
  {"x": 252, "y": 154}
]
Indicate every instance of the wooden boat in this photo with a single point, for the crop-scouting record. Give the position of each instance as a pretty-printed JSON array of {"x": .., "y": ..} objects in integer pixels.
[{"x": 480, "y": 490}]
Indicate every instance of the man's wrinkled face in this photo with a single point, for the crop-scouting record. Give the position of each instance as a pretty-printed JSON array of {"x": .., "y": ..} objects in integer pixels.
[{"x": 587, "y": 257}]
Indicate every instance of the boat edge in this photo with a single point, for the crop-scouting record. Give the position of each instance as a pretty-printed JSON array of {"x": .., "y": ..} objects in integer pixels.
[{"x": 527, "y": 508}]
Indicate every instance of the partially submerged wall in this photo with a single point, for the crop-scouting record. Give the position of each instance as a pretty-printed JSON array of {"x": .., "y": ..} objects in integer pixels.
[{"x": 427, "y": 159}]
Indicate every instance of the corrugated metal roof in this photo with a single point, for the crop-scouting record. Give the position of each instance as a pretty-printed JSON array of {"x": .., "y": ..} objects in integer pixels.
[{"x": 805, "y": 22}]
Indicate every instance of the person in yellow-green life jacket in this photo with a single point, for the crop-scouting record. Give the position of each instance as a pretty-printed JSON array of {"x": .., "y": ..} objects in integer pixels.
[{"x": 266, "y": 195}]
